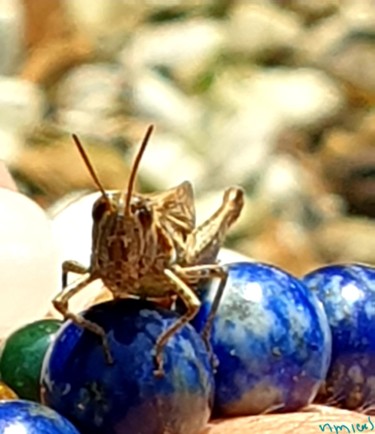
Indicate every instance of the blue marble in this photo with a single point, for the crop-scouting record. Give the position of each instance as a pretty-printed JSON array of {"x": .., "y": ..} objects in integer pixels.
[
  {"x": 271, "y": 338},
  {"x": 348, "y": 295},
  {"x": 127, "y": 397},
  {"x": 26, "y": 417}
]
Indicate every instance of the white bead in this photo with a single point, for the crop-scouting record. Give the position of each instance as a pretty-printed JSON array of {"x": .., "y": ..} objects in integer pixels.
[{"x": 29, "y": 276}]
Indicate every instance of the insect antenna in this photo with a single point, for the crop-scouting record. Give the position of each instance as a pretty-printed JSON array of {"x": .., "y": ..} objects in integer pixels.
[
  {"x": 90, "y": 168},
  {"x": 133, "y": 173}
]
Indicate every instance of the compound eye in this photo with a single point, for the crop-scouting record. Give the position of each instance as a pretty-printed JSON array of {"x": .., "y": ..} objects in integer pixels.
[
  {"x": 99, "y": 208},
  {"x": 145, "y": 216}
]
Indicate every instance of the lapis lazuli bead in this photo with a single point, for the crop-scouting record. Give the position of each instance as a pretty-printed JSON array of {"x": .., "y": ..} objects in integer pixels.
[
  {"x": 27, "y": 417},
  {"x": 348, "y": 295},
  {"x": 126, "y": 396},
  {"x": 271, "y": 338}
]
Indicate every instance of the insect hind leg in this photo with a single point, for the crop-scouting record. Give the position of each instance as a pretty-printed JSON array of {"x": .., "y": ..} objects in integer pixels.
[{"x": 203, "y": 243}]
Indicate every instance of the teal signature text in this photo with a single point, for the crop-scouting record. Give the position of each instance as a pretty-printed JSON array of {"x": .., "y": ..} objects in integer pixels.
[{"x": 349, "y": 428}]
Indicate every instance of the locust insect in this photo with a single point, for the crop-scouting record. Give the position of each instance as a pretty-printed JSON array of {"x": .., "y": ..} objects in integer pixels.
[{"x": 148, "y": 245}]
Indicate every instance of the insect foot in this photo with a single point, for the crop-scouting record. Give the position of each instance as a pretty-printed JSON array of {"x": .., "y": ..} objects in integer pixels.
[{"x": 61, "y": 305}]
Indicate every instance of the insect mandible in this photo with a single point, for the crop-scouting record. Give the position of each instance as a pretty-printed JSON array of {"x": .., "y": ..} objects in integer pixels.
[{"x": 148, "y": 245}]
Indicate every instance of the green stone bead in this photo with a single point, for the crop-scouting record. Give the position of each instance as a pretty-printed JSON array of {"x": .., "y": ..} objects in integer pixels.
[{"x": 22, "y": 357}]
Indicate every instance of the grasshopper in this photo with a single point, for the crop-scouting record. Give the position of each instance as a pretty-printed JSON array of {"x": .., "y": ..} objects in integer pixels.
[{"x": 148, "y": 245}]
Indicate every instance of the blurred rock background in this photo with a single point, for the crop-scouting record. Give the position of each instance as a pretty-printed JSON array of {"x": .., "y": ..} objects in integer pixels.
[{"x": 274, "y": 95}]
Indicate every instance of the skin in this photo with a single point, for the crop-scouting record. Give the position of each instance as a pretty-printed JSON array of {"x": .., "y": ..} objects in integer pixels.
[{"x": 306, "y": 421}]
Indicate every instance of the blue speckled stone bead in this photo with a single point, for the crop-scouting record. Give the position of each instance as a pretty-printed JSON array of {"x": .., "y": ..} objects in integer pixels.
[
  {"x": 126, "y": 397},
  {"x": 271, "y": 338},
  {"x": 348, "y": 295},
  {"x": 26, "y": 417}
]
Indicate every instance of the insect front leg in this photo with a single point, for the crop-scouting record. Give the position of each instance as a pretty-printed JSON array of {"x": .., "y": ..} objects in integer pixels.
[
  {"x": 192, "y": 304},
  {"x": 71, "y": 267},
  {"x": 61, "y": 304}
]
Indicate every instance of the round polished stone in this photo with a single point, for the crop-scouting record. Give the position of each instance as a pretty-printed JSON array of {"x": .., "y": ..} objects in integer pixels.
[
  {"x": 27, "y": 417},
  {"x": 348, "y": 295},
  {"x": 6, "y": 392},
  {"x": 22, "y": 357},
  {"x": 271, "y": 339},
  {"x": 126, "y": 396},
  {"x": 30, "y": 276}
]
